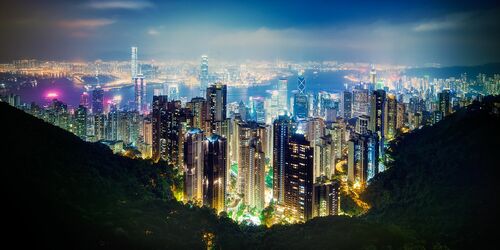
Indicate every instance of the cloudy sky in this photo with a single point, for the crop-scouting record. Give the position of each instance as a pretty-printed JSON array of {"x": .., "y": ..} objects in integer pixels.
[{"x": 406, "y": 32}]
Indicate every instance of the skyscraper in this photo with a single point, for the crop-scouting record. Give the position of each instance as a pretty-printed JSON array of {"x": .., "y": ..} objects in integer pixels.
[
  {"x": 193, "y": 165},
  {"x": 282, "y": 128},
  {"x": 283, "y": 94},
  {"x": 360, "y": 102},
  {"x": 445, "y": 102},
  {"x": 392, "y": 112},
  {"x": 204, "y": 77},
  {"x": 301, "y": 106},
  {"x": 133, "y": 63},
  {"x": 216, "y": 105},
  {"x": 159, "y": 143},
  {"x": 139, "y": 93},
  {"x": 299, "y": 178},
  {"x": 251, "y": 163},
  {"x": 98, "y": 100},
  {"x": 214, "y": 172},
  {"x": 198, "y": 108},
  {"x": 346, "y": 106},
  {"x": 81, "y": 122},
  {"x": 301, "y": 84},
  {"x": 362, "y": 163},
  {"x": 326, "y": 198}
]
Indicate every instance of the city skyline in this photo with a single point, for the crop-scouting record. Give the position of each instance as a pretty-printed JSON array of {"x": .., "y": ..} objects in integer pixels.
[{"x": 413, "y": 33}]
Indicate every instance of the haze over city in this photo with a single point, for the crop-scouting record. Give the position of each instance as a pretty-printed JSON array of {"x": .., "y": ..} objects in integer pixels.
[{"x": 412, "y": 33}]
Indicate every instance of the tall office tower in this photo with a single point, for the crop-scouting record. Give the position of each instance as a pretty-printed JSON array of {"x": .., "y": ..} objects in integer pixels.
[
  {"x": 204, "y": 77},
  {"x": 124, "y": 127},
  {"x": 301, "y": 84},
  {"x": 173, "y": 133},
  {"x": 400, "y": 117},
  {"x": 315, "y": 129},
  {"x": 337, "y": 131},
  {"x": 99, "y": 127},
  {"x": 326, "y": 198},
  {"x": 193, "y": 166},
  {"x": 257, "y": 110},
  {"x": 378, "y": 121},
  {"x": 445, "y": 102},
  {"x": 378, "y": 113},
  {"x": 299, "y": 178},
  {"x": 254, "y": 173},
  {"x": 147, "y": 137},
  {"x": 346, "y": 106},
  {"x": 282, "y": 128},
  {"x": 283, "y": 94},
  {"x": 198, "y": 108},
  {"x": 85, "y": 100},
  {"x": 139, "y": 93},
  {"x": 134, "y": 69},
  {"x": 373, "y": 76},
  {"x": 362, "y": 163},
  {"x": 392, "y": 113},
  {"x": 251, "y": 163},
  {"x": 214, "y": 172},
  {"x": 159, "y": 142},
  {"x": 98, "y": 101},
  {"x": 324, "y": 158},
  {"x": 216, "y": 107},
  {"x": 360, "y": 102},
  {"x": 301, "y": 106},
  {"x": 362, "y": 124},
  {"x": 111, "y": 125},
  {"x": 81, "y": 122}
]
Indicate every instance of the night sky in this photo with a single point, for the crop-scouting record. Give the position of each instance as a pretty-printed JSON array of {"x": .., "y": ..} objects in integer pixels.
[{"x": 405, "y": 32}]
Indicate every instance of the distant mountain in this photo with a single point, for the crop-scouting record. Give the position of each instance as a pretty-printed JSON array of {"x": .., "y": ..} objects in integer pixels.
[
  {"x": 455, "y": 71},
  {"x": 59, "y": 192},
  {"x": 443, "y": 181}
]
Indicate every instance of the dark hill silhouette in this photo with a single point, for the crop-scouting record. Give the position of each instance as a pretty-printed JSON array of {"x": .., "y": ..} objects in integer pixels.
[
  {"x": 59, "y": 192},
  {"x": 443, "y": 181}
]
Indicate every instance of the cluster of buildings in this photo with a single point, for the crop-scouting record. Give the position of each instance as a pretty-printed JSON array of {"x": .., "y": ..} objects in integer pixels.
[{"x": 310, "y": 143}]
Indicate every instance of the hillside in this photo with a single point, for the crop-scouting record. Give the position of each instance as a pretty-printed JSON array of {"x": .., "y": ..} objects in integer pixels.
[
  {"x": 443, "y": 181},
  {"x": 62, "y": 193}
]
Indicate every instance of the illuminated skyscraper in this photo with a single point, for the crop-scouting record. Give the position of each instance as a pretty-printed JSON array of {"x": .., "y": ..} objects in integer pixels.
[
  {"x": 133, "y": 63},
  {"x": 81, "y": 122},
  {"x": 204, "y": 77},
  {"x": 257, "y": 111},
  {"x": 193, "y": 165},
  {"x": 373, "y": 75},
  {"x": 360, "y": 102},
  {"x": 362, "y": 163},
  {"x": 198, "y": 108},
  {"x": 346, "y": 105},
  {"x": 282, "y": 128},
  {"x": 139, "y": 92},
  {"x": 98, "y": 100},
  {"x": 301, "y": 106},
  {"x": 251, "y": 163},
  {"x": 299, "y": 178},
  {"x": 216, "y": 101},
  {"x": 214, "y": 172},
  {"x": 445, "y": 102},
  {"x": 159, "y": 143},
  {"x": 85, "y": 100},
  {"x": 392, "y": 112},
  {"x": 326, "y": 198},
  {"x": 301, "y": 84},
  {"x": 282, "y": 94}
]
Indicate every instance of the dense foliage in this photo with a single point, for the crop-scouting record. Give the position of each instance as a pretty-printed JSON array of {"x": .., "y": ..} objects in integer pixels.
[
  {"x": 443, "y": 180},
  {"x": 59, "y": 192}
]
